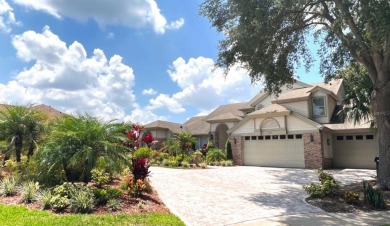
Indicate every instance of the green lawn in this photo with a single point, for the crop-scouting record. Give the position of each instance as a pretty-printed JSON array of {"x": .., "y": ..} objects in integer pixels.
[{"x": 18, "y": 215}]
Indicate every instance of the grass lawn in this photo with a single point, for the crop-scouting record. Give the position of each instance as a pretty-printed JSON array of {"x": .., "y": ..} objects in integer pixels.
[{"x": 19, "y": 215}]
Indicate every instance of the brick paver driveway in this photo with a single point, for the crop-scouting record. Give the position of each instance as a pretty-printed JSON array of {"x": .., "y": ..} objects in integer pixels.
[{"x": 231, "y": 195}]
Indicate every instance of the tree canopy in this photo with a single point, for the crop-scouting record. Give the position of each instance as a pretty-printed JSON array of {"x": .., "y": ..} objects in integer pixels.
[{"x": 269, "y": 38}]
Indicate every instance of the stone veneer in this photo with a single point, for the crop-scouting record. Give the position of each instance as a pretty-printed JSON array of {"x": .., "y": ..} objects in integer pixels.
[
  {"x": 314, "y": 151},
  {"x": 238, "y": 150}
]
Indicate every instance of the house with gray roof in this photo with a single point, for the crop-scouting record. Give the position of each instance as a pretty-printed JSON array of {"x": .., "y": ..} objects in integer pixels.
[{"x": 298, "y": 128}]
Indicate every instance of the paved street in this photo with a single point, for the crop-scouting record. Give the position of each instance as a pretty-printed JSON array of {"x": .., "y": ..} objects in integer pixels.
[{"x": 239, "y": 195}]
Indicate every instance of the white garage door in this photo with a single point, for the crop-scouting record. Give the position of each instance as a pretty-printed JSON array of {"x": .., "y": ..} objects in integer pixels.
[
  {"x": 274, "y": 150},
  {"x": 355, "y": 151}
]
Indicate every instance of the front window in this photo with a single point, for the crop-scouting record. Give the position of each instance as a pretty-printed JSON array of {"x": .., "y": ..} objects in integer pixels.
[{"x": 319, "y": 106}]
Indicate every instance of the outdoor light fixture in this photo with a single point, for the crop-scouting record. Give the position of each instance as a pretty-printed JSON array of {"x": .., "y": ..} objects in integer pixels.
[
  {"x": 235, "y": 141},
  {"x": 311, "y": 137}
]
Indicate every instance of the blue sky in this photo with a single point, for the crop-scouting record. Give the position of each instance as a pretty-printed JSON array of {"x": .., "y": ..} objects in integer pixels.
[{"x": 137, "y": 60}]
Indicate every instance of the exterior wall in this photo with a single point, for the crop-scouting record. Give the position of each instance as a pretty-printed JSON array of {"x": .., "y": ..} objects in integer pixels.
[
  {"x": 160, "y": 134},
  {"x": 296, "y": 125},
  {"x": 248, "y": 127},
  {"x": 238, "y": 150},
  {"x": 313, "y": 150},
  {"x": 300, "y": 107},
  {"x": 328, "y": 145},
  {"x": 265, "y": 102}
]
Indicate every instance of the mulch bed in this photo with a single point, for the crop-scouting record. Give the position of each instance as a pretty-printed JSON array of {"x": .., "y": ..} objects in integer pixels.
[
  {"x": 146, "y": 203},
  {"x": 337, "y": 204}
]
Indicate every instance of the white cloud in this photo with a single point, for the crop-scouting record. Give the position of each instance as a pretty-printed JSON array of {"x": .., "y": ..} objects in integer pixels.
[
  {"x": 7, "y": 17},
  {"x": 204, "y": 87},
  {"x": 174, "y": 25},
  {"x": 143, "y": 116},
  {"x": 70, "y": 80},
  {"x": 149, "y": 91},
  {"x": 131, "y": 13}
]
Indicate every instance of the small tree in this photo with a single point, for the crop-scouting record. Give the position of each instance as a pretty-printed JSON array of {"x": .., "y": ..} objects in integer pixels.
[{"x": 229, "y": 152}]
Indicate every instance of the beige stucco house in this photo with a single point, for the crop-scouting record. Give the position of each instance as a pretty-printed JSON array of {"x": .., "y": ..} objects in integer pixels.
[{"x": 298, "y": 128}]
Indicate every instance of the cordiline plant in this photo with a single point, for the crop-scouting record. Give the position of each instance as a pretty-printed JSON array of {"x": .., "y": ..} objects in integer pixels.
[{"x": 139, "y": 168}]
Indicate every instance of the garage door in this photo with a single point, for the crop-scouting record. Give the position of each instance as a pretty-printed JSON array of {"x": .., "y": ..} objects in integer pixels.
[
  {"x": 355, "y": 151},
  {"x": 275, "y": 150}
]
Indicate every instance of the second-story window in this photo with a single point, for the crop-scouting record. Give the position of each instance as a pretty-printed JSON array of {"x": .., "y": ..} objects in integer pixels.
[{"x": 319, "y": 106}]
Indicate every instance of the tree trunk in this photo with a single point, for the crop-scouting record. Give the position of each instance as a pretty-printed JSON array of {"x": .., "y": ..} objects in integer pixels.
[
  {"x": 18, "y": 148},
  {"x": 381, "y": 111},
  {"x": 30, "y": 151}
]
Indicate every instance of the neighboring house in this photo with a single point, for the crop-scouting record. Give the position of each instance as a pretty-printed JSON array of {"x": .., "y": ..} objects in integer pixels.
[
  {"x": 48, "y": 110},
  {"x": 197, "y": 126},
  {"x": 298, "y": 128}
]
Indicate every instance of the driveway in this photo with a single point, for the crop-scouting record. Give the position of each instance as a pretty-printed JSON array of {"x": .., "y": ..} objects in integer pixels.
[{"x": 233, "y": 195}]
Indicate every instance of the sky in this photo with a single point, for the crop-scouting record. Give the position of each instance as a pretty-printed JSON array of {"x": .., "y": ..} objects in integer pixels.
[{"x": 135, "y": 60}]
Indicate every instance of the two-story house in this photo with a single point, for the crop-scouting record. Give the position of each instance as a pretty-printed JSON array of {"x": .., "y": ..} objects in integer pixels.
[{"x": 297, "y": 128}]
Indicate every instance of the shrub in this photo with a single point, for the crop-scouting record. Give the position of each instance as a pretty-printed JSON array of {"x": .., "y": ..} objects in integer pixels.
[
  {"x": 165, "y": 162},
  {"x": 82, "y": 200},
  {"x": 351, "y": 197},
  {"x": 323, "y": 176},
  {"x": 328, "y": 187},
  {"x": 8, "y": 186},
  {"x": 59, "y": 202},
  {"x": 185, "y": 164},
  {"x": 373, "y": 196},
  {"x": 142, "y": 152},
  {"x": 44, "y": 198},
  {"x": 222, "y": 163},
  {"x": 215, "y": 155},
  {"x": 136, "y": 187},
  {"x": 203, "y": 165},
  {"x": 197, "y": 157},
  {"x": 28, "y": 191},
  {"x": 139, "y": 168},
  {"x": 229, "y": 151},
  {"x": 100, "y": 177},
  {"x": 102, "y": 195},
  {"x": 64, "y": 190},
  {"x": 173, "y": 163},
  {"x": 114, "y": 205},
  {"x": 11, "y": 166},
  {"x": 229, "y": 163}
]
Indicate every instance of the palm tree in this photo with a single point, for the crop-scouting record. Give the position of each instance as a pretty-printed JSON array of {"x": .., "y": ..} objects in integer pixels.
[
  {"x": 21, "y": 126},
  {"x": 357, "y": 101},
  {"x": 185, "y": 140},
  {"x": 76, "y": 143}
]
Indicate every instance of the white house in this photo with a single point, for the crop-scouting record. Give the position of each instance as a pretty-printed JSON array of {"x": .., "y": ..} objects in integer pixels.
[{"x": 298, "y": 128}]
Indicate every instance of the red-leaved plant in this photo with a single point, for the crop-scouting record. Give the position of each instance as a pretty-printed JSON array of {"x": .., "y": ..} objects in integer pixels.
[
  {"x": 148, "y": 139},
  {"x": 139, "y": 168}
]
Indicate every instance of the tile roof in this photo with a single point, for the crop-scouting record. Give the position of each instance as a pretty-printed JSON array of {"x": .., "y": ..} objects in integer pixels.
[
  {"x": 221, "y": 111},
  {"x": 294, "y": 94},
  {"x": 228, "y": 116},
  {"x": 333, "y": 85},
  {"x": 174, "y": 127},
  {"x": 197, "y": 125},
  {"x": 270, "y": 109},
  {"x": 49, "y": 111}
]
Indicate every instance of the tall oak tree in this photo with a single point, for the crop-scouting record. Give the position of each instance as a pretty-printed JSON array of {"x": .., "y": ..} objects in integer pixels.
[{"x": 269, "y": 38}]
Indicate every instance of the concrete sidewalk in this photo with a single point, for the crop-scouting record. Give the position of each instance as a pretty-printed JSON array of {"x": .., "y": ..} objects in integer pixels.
[{"x": 361, "y": 218}]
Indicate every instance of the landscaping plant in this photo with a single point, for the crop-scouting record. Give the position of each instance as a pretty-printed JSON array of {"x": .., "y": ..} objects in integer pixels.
[
  {"x": 373, "y": 196},
  {"x": 8, "y": 186},
  {"x": 215, "y": 155},
  {"x": 328, "y": 187},
  {"x": 28, "y": 191}
]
